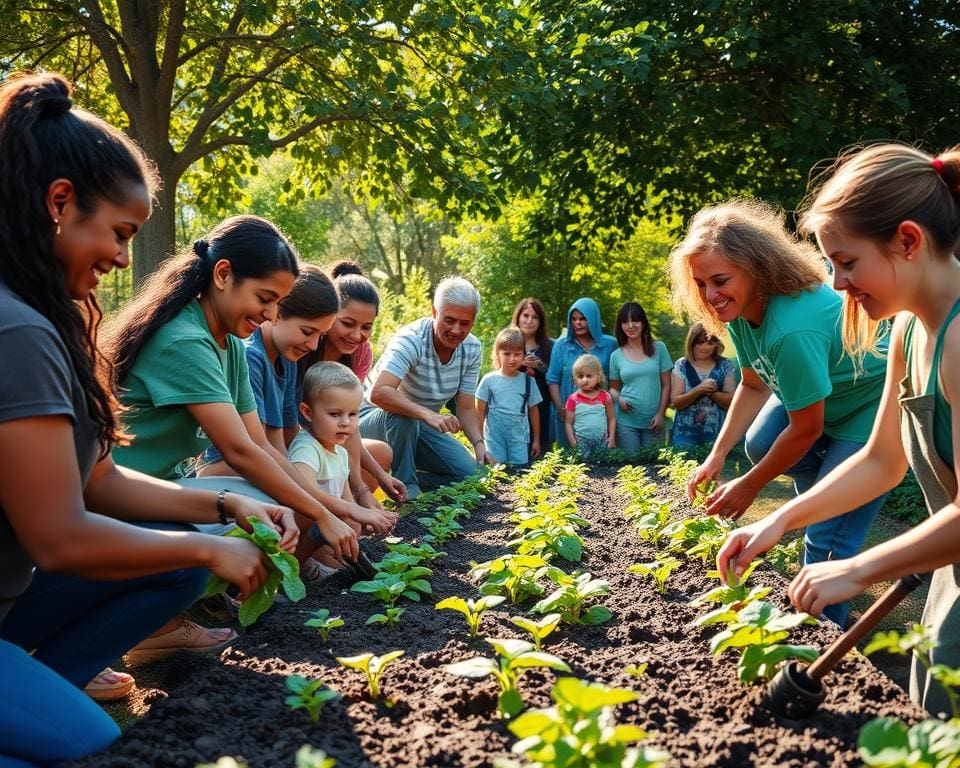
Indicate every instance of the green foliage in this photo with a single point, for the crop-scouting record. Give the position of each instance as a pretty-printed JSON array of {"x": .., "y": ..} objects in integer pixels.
[
  {"x": 571, "y": 597},
  {"x": 636, "y": 670},
  {"x": 309, "y": 695},
  {"x": 580, "y": 730},
  {"x": 324, "y": 623},
  {"x": 886, "y": 742},
  {"x": 538, "y": 630},
  {"x": 390, "y": 617},
  {"x": 906, "y": 502},
  {"x": 784, "y": 556},
  {"x": 473, "y": 610},
  {"x": 733, "y": 597},
  {"x": 659, "y": 570},
  {"x": 282, "y": 569},
  {"x": 516, "y": 576},
  {"x": 372, "y": 667},
  {"x": 514, "y": 656}
]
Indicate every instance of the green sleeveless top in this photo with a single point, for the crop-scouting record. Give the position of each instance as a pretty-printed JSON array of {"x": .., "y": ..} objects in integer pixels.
[{"x": 942, "y": 424}]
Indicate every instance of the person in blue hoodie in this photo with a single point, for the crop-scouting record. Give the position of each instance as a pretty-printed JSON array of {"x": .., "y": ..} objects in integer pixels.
[{"x": 584, "y": 334}]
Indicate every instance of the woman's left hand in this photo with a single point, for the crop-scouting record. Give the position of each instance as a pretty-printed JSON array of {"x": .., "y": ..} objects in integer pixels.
[
  {"x": 732, "y": 499},
  {"x": 656, "y": 422},
  {"x": 828, "y": 583},
  {"x": 624, "y": 405},
  {"x": 276, "y": 516}
]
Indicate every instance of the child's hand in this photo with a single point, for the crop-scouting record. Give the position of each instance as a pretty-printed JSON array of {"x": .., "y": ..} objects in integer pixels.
[
  {"x": 377, "y": 520},
  {"x": 394, "y": 488},
  {"x": 535, "y": 448}
]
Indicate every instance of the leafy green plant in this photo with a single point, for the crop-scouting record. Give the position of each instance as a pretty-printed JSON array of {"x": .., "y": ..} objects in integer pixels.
[
  {"x": 323, "y": 622},
  {"x": 782, "y": 556},
  {"x": 699, "y": 537},
  {"x": 759, "y": 629},
  {"x": 390, "y": 616},
  {"x": 549, "y": 528},
  {"x": 423, "y": 552},
  {"x": 282, "y": 569},
  {"x": 659, "y": 570},
  {"x": 473, "y": 610},
  {"x": 538, "y": 630},
  {"x": 580, "y": 730},
  {"x": 733, "y": 596},
  {"x": 516, "y": 576},
  {"x": 310, "y": 695},
  {"x": 386, "y": 588},
  {"x": 887, "y": 742},
  {"x": 571, "y": 596},
  {"x": 372, "y": 666},
  {"x": 636, "y": 670},
  {"x": 308, "y": 757},
  {"x": 514, "y": 656},
  {"x": 650, "y": 519}
]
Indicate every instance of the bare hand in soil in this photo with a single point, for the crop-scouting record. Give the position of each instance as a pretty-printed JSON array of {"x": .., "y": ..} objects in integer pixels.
[
  {"x": 341, "y": 538},
  {"x": 709, "y": 470},
  {"x": 745, "y": 544},
  {"x": 732, "y": 499},
  {"x": 377, "y": 520}
]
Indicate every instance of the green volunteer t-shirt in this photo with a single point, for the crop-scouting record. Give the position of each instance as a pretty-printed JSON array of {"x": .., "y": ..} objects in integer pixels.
[
  {"x": 180, "y": 365},
  {"x": 797, "y": 352},
  {"x": 640, "y": 384}
]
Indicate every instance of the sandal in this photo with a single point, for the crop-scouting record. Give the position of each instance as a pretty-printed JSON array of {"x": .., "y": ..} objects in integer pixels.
[
  {"x": 314, "y": 572},
  {"x": 109, "y": 685},
  {"x": 190, "y": 636}
]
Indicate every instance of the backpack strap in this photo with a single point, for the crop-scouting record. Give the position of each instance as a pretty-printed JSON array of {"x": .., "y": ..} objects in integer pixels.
[{"x": 526, "y": 393}]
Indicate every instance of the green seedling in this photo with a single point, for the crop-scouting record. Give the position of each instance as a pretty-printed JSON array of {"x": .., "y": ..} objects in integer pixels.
[
  {"x": 733, "y": 597},
  {"x": 390, "y": 617},
  {"x": 439, "y": 530},
  {"x": 371, "y": 666},
  {"x": 539, "y": 630},
  {"x": 783, "y": 556},
  {"x": 514, "y": 657},
  {"x": 759, "y": 630},
  {"x": 636, "y": 670},
  {"x": 310, "y": 695},
  {"x": 659, "y": 570},
  {"x": 571, "y": 596},
  {"x": 699, "y": 537},
  {"x": 650, "y": 519},
  {"x": 580, "y": 730},
  {"x": 473, "y": 610},
  {"x": 282, "y": 570},
  {"x": 324, "y": 623},
  {"x": 516, "y": 576},
  {"x": 308, "y": 757},
  {"x": 387, "y": 588},
  {"x": 423, "y": 552},
  {"x": 678, "y": 469},
  {"x": 702, "y": 493}
]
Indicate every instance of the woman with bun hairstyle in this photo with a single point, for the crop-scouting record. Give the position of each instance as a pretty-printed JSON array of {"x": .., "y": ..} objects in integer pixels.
[
  {"x": 79, "y": 584},
  {"x": 888, "y": 218},
  {"x": 348, "y": 342}
]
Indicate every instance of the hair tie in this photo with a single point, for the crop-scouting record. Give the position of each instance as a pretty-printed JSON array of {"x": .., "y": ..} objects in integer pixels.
[
  {"x": 201, "y": 248},
  {"x": 937, "y": 164}
]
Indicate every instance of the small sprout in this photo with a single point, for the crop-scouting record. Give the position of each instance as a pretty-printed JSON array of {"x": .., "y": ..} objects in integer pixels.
[
  {"x": 372, "y": 666},
  {"x": 515, "y": 656},
  {"x": 636, "y": 670},
  {"x": 308, "y": 757},
  {"x": 310, "y": 695},
  {"x": 473, "y": 610},
  {"x": 324, "y": 623},
  {"x": 390, "y": 617},
  {"x": 571, "y": 596},
  {"x": 659, "y": 570},
  {"x": 539, "y": 630}
]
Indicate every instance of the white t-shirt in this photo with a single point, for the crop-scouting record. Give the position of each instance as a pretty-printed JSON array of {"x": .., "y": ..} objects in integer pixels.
[{"x": 331, "y": 467}]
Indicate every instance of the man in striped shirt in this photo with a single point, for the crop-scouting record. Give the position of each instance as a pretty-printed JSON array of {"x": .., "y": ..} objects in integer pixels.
[{"x": 425, "y": 364}]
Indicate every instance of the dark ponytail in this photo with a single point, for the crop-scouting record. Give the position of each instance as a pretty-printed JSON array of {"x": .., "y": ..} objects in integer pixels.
[
  {"x": 43, "y": 137},
  {"x": 254, "y": 247}
]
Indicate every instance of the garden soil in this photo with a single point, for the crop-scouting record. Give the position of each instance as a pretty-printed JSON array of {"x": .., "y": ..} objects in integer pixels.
[{"x": 692, "y": 703}]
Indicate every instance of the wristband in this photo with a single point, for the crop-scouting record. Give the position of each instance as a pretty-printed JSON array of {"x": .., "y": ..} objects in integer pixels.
[{"x": 222, "y": 506}]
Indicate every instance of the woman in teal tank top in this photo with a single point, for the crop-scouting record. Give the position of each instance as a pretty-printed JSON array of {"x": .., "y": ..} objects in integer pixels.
[{"x": 888, "y": 218}]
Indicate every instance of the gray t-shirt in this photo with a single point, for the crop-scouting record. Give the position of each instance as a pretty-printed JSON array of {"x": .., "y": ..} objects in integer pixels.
[{"x": 37, "y": 380}]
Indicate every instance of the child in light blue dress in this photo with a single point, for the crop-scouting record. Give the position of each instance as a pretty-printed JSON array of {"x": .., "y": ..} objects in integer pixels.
[{"x": 507, "y": 401}]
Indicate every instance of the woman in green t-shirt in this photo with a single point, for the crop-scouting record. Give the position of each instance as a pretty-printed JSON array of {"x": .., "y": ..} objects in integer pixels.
[
  {"x": 888, "y": 218},
  {"x": 738, "y": 266}
]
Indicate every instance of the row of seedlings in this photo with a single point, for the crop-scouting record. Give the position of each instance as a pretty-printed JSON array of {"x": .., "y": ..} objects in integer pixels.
[
  {"x": 580, "y": 728},
  {"x": 750, "y": 624}
]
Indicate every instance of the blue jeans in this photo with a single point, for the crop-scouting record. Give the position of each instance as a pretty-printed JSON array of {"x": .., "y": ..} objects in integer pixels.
[
  {"x": 422, "y": 456},
  {"x": 835, "y": 539},
  {"x": 76, "y": 627},
  {"x": 632, "y": 439}
]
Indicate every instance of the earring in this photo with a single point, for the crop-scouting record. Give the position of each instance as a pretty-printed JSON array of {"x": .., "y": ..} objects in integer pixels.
[{"x": 57, "y": 222}]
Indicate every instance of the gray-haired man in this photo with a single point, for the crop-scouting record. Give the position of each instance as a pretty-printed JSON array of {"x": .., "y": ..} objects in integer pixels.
[{"x": 425, "y": 364}]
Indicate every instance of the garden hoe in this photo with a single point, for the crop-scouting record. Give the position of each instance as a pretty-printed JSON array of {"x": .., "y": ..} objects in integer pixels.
[{"x": 797, "y": 692}]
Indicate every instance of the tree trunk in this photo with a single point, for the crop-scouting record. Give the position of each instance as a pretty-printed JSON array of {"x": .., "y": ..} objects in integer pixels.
[{"x": 158, "y": 238}]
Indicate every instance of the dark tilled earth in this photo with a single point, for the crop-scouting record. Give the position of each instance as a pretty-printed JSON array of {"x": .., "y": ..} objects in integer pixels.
[{"x": 693, "y": 704}]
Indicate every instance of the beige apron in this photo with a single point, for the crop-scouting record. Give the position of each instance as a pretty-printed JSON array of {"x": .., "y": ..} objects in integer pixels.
[{"x": 939, "y": 486}]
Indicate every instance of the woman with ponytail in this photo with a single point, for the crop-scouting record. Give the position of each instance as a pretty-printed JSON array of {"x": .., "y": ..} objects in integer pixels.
[
  {"x": 178, "y": 352},
  {"x": 888, "y": 218},
  {"x": 78, "y": 584}
]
